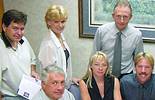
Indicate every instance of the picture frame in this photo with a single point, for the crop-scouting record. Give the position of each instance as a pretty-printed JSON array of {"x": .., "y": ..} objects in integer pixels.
[{"x": 88, "y": 23}]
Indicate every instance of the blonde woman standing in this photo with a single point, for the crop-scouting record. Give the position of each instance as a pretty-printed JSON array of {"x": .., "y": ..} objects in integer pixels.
[{"x": 54, "y": 49}]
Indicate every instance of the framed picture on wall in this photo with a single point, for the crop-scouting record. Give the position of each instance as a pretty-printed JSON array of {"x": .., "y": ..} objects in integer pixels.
[{"x": 93, "y": 13}]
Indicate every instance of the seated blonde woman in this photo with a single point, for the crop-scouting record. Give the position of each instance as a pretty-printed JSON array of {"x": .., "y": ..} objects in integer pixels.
[{"x": 98, "y": 83}]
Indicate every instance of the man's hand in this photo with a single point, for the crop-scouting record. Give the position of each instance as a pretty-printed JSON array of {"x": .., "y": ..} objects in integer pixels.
[{"x": 34, "y": 72}]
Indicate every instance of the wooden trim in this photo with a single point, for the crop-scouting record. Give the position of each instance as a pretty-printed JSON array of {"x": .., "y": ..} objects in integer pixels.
[{"x": 1, "y": 13}]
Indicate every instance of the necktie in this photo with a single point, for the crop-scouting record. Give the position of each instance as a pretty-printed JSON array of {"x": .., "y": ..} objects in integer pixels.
[{"x": 116, "y": 68}]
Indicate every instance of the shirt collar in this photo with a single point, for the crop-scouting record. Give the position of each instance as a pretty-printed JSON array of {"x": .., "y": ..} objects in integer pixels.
[
  {"x": 53, "y": 36},
  {"x": 6, "y": 41},
  {"x": 146, "y": 84},
  {"x": 124, "y": 32}
]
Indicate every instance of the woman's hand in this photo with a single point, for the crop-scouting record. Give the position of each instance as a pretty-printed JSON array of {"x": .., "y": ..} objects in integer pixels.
[{"x": 76, "y": 80}]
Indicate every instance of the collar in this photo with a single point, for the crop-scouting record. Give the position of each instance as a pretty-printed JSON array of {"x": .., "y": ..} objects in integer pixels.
[
  {"x": 56, "y": 40},
  {"x": 124, "y": 32},
  {"x": 146, "y": 84},
  {"x": 6, "y": 41}
]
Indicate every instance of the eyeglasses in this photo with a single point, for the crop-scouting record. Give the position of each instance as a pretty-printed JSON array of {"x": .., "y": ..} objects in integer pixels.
[{"x": 119, "y": 17}]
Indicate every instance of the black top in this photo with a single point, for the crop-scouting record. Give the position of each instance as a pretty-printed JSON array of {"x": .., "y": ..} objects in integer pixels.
[
  {"x": 6, "y": 41},
  {"x": 108, "y": 89},
  {"x": 67, "y": 56}
]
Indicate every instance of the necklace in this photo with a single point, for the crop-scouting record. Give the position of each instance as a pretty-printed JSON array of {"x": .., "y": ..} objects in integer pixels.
[{"x": 61, "y": 40}]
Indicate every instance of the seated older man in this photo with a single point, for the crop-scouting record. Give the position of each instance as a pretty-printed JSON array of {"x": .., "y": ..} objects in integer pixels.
[{"x": 53, "y": 85}]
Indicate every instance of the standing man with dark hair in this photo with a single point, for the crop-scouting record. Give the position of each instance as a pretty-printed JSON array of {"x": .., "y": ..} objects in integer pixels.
[
  {"x": 17, "y": 56},
  {"x": 119, "y": 40}
]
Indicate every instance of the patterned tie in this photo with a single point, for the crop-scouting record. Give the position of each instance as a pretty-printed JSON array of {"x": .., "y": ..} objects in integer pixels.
[{"x": 116, "y": 68}]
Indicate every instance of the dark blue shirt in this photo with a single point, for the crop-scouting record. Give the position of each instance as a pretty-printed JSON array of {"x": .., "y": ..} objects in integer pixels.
[{"x": 131, "y": 89}]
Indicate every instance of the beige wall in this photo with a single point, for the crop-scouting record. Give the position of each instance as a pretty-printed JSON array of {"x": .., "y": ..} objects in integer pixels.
[{"x": 36, "y": 29}]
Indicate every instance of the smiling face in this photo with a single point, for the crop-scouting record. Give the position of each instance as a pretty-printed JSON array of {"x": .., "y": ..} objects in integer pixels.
[
  {"x": 56, "y": 17},
  {"x": 143, "y": 70},
  {"x": 122, "y": 15},
  {"x": 57, "y": 26},
  {"x": 99, "y": 67},
  {"x": 54, "y": 85},
  {"x": 14, "y": 32}
]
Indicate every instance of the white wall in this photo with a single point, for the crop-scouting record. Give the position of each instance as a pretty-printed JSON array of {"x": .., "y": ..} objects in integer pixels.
[{"x": 36, "y": 29}]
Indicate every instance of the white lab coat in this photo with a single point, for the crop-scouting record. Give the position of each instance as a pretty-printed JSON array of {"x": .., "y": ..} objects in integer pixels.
[{"x": 52, "y": 53}]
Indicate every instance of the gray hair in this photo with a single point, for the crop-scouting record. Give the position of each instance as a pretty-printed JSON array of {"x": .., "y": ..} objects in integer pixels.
[
  {"x": 51, "y": 69},
  {"x": 123, "y": 3}
]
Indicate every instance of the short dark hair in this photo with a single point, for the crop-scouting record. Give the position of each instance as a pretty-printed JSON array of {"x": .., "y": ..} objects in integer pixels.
[{"x": 15, "y": 16}]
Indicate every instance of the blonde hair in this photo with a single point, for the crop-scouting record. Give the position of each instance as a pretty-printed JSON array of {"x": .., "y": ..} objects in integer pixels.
[
  {"x": 145, "y": 55},
  {"x": 88, "y": 76},
  {"x": 55, "y": 12}
]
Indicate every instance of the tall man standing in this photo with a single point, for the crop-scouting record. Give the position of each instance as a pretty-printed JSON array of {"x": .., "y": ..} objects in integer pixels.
[
  {"x": 17, "y": 56},
  {"x": 119, "y": 40}
]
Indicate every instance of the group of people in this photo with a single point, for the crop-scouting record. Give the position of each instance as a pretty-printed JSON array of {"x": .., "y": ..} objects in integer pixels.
[
  {"x": 18, "y": 58},
  {"x": 100, "y": 84},
  {"x": 127, "y": 76}
]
